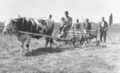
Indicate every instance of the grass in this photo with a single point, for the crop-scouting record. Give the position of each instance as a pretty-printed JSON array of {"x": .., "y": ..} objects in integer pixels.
[{"x": 64, "y": 59}]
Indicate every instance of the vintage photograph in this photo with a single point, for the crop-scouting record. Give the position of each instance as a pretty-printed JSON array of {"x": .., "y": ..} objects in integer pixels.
[{"x": 59, "y": 36}]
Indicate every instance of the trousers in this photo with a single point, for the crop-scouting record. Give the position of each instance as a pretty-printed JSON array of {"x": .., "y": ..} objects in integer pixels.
[{"x": 103, "y": 35}]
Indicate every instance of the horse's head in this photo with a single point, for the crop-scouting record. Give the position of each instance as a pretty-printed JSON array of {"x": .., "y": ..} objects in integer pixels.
[{"x": 11, "y": 25}]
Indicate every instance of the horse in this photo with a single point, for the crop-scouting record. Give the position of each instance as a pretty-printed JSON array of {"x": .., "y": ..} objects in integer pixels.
[{"x": 38, "y": 26}]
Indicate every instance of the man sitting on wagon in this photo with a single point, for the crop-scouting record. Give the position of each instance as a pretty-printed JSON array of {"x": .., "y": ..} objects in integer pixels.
[
  {"x": 61, "y": 29},
  {"x": 87, "y": 26},
  {"x": 77, "y": 25},
  {"x": 67, "y": 23}
]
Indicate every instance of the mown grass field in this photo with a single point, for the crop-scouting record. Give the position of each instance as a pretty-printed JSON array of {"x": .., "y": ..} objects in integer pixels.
[{"x": 64, "y": 59}]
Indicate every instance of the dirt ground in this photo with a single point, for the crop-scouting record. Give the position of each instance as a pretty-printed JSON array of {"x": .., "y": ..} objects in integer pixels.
[{"x": 60, "y": 59}]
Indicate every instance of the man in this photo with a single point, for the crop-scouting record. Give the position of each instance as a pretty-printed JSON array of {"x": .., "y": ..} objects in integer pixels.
[
  {"x": 50, "y": 18},
  {"x": 86, "y": 29},
  {"x": 87, "y": 25},
  {"x": 68, "y": 22},
  {"x": 77, "y": 25},
  {"x": 103, "y": 29},
  {"x": 63, "y": 24},
  {"x": 62, "y": 28},
  {"x": 68, "y": 19}
]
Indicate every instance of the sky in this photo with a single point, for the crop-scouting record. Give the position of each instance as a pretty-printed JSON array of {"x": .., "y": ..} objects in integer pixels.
[{"x": 81, "y": 9}]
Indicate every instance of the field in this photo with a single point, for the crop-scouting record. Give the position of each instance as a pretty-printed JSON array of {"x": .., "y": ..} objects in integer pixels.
[{"x": 60, "y": 59}]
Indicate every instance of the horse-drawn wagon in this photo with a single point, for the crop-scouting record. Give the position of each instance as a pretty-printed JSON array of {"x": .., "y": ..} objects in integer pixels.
[{"x": 25, "y": 29}]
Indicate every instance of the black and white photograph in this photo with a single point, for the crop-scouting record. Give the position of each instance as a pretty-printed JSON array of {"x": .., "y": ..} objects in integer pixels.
[{"x": 59, "y": 36}]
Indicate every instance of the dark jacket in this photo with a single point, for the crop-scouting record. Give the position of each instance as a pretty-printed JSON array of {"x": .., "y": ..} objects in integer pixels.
[
  {"x": 105, "y": 27},
  {"x": 88, "y": 26}
]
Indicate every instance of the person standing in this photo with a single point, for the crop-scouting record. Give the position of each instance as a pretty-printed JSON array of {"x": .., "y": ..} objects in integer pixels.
[
  {"x": 52, "y": 21},
  {"x": 103, "y": 27},
  {"x": 50, "y": 18}
]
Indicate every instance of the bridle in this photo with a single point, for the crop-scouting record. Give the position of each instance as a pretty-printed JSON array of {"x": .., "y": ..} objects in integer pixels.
[{"x": 14, "y": 27}]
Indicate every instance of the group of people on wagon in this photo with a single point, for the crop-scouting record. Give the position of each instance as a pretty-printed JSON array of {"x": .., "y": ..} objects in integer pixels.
[{"x": 67, "y": 24}]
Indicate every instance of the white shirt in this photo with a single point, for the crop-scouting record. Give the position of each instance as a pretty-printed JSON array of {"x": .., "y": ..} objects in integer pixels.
[
  {"x": 68, "y": 20},
  {"x": 51, "y": 20},
  {"x": 102, "y": 24}
]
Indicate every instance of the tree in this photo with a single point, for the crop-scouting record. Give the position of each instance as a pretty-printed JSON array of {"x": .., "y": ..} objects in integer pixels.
[{"x": 111, "y": 19}]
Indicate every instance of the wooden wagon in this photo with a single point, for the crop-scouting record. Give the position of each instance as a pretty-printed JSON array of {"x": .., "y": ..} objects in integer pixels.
[{"x": 80, "y": 36}]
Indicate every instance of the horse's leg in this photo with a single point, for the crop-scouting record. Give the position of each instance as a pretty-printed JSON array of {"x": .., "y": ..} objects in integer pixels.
[
  {"x": 22, "y": 39},
  {"x": 22, "y": 46},
  {"x": 51, "y": 42},
  {"x": 28, "y": 43},
  {"x": 47, "y": 40}
]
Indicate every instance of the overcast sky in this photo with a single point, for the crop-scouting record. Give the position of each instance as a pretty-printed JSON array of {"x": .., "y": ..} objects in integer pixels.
[{"x": 92, "y": 9}]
